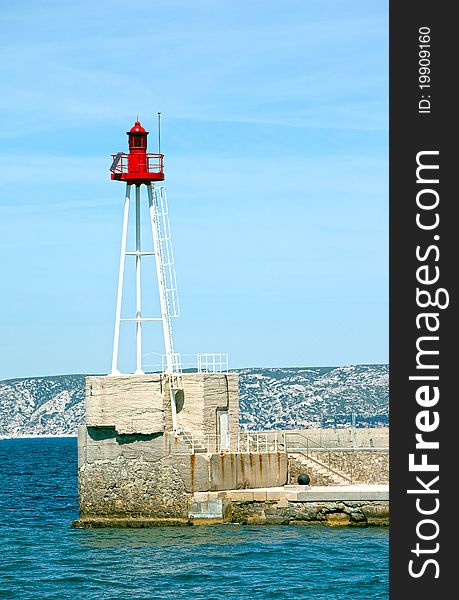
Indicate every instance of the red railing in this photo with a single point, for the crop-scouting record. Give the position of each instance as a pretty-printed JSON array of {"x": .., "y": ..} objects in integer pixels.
[{"x": 120, "y": 163}]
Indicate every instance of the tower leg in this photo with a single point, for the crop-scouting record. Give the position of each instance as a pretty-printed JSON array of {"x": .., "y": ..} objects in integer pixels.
[
  {"x": 138, "y": 300},
  {"x": 119, "y": 298}
]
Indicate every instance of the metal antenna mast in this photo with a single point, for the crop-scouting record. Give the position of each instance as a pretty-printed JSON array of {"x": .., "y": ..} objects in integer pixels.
[{"x": 159, "y": 133}]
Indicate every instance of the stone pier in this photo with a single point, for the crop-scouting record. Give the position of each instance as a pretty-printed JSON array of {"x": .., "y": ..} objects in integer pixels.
[
  {"x": 353, "y": 505},
  {"x": 133, "y": 469}
]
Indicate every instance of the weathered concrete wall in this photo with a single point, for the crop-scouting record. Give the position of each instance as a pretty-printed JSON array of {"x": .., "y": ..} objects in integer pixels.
[
  {"x": 131, "y": 464},
  {"x": 203, "y": 395},
  {"x": 189, "y": 401},
  {"x": 230, "y": 471},
  {"x": 129, "y": 403},
  {"x": 361, "y": 466},
  {"x": 154, "y": 475},
  {"x": 221, "y": 391},
  {"x": 128, "y": 475},
  {"x": 141, "y": 403}
]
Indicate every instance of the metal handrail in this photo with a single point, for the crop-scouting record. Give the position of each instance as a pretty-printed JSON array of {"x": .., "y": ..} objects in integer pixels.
[
  {"x": 154, "y": 164},
  {"x": 339, "y": 474},
  {"x": 345, "y": 449},
  {"x": 242, "y": 442},
  {"x": 273, "y": 441},
  {"x": 194, "y": 364},
  {"x": 341, "y": 459}
]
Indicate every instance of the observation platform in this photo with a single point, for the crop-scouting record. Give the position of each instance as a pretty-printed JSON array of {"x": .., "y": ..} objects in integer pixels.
[{"x": 137, "y": 168}]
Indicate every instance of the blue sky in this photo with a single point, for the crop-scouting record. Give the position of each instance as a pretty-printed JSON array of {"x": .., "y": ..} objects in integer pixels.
[{"x": 275, "y": 135}]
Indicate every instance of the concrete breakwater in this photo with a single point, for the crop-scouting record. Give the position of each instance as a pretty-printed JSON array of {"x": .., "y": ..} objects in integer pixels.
[
  {"x": 156, "y": 475},
  {"x": 295, "y": 505},
  {"x": 359, "y": 505},
  {"x": 134, "y": 470}
]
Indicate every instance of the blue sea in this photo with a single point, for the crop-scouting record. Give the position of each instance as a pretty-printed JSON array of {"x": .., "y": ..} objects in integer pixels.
[{"x": 42, "y": 557}]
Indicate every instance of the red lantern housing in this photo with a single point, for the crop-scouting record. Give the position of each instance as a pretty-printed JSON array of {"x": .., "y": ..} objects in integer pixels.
[{"x": 138, "y": 166}]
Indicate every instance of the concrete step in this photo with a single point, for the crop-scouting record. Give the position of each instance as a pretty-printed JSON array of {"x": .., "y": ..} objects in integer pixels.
[
  {"x": 299, "y": 493},
  {"x": 332, "y": 476}
]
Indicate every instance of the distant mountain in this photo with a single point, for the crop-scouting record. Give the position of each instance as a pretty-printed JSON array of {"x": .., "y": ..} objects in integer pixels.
[
  {"x": 41, "y": 405},
  {"x": 314, "y": 397},
  {"x": 269, "y": 399}
]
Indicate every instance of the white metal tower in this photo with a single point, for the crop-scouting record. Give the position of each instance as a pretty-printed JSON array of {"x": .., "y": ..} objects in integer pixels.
[{"x": 141, "y": 169}]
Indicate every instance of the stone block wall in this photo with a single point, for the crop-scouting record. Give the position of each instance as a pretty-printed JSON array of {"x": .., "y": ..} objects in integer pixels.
[
  {"x": 296, "y": 467},
  {"x": 335, "y": 513},
  {"x": 362, "y": 466}
]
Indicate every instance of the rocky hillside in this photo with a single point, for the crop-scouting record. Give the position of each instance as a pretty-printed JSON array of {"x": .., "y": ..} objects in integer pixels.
[
  {"x": 315, "y": 397},
  {"x": 269, "y": 398},
  {"x": 41, "y": 405}
]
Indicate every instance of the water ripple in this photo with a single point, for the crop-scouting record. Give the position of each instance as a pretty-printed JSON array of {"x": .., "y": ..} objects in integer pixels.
[{"x": 43, "y": 558}]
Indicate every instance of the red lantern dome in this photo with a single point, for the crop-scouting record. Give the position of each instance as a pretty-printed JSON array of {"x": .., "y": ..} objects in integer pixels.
[{"x": 137, "y": 128}]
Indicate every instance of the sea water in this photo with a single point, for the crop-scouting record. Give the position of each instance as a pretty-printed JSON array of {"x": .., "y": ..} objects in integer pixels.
[{"x": 42, "y": 557}]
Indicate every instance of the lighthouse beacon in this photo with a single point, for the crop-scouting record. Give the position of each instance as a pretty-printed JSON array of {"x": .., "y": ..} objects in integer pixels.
[{"x": 138, "y": 166}]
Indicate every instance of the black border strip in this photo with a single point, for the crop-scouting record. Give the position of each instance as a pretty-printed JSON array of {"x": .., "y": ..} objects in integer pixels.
[{"x": 412, "y": 132}]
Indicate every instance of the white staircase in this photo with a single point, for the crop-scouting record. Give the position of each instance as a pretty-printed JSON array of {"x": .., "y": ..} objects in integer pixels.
[{"x": 195, "y": 444}]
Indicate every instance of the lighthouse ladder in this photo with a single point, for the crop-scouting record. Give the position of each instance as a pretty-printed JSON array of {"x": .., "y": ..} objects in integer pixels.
[{"x": 167, "y": 281}]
